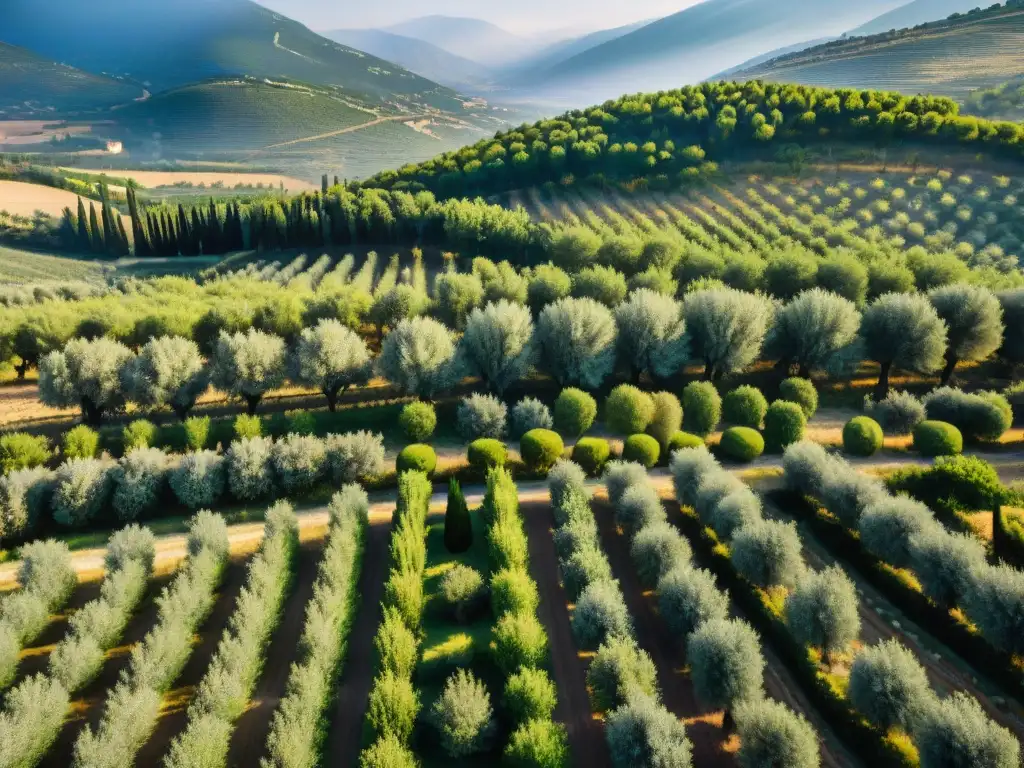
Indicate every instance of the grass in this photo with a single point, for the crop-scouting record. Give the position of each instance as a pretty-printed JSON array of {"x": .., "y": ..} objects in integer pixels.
[{"x": 21, "y": 266}]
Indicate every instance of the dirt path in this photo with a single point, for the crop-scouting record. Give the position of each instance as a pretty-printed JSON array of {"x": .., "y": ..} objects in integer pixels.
[
  {"x": 249, "y": 737},
  {"x": 586, "y": 732},
  {"x": 350, "y": 129}
]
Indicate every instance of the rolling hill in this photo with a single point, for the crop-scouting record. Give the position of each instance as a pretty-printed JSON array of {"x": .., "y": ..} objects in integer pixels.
[
  {"x": 914, "y": 13},
  {"x": 31, "y": 85},
  {"x": 472, "y": 39},
  {"x": 536, "y": 65},
  {"x": 952, "y": 58}
]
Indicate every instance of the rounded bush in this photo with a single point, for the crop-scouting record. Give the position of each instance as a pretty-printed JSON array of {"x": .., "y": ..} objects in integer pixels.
[
  {"x": 418, "y": 421},
  {"x": 24, "y": 500},
  {"x": 979, "y": 416},
  {"x": 767, "y": 554},
  {"x": 668, "y": 417},
  {"x": 956, "y": 732},
  {"x": 575, "y": 412},
  {"x": 582, "y": 568},
  {"x": 139, "y": 481},
  {"x": 619, "y": 670},
  {"x": 247, "y": 427},
  {"x": 250, "y": 471},
  {"x": 628, "y": 410},
  {"x": 540, "y": 449},
  {"x": 388, "y": 751},
  {"x": 199, "y": 480},
  {"x": 937, "y": 438},
  {"x": 783, "y": 425},
  {"x": 643, "y": 449},
  {"x": 298, "y": 462},
  {"x": 481, "y": 416},
  {"x": 745, "y": 406},
  {"x": 620, "y": 476},
  {"x": 487, "y": 453},
  {"x": 681, "y": 440},
  {"x": 416, "y": 458},
  {"x": 139, "y": 434},
  {"x": 462, "y": 588},
  {"x": 726, "y": 664},
  {"x": 887, "y": 526},
  {"x": 689, "y": 597},
  {"x": 591, "y": 453},
  {"x": 658, "y": 548},
  {"x": 862, "y": 436},
  {"x": 530, "y": 695},
  {"x": 733, "y": 511},
  {"x": 576, "y": 534},
  {"x": 644, "y": 733},
  {"x": 897, "y": 414},
  {"x": 741, "y": 444},
  {"x": 81, "y": 442},
  {"x": 519, "y": 641},
  {"x": 513, "y": 591},
  {"x": 567, "y": 483},
  {"x": 600, "y": 615},
  {"x": 19, "y": 450},
  {"x": 530, "y": 413},
  {"x": 538, "y": 744},
  {"x": 702, "y": 408},
  {"x": 81, "y": 492},
  {"x": 888, "y": 685},
  {"x": 772, "y": 734},
  {"x": 801, "y": 392},
  {"x": 638, "y": 507}
]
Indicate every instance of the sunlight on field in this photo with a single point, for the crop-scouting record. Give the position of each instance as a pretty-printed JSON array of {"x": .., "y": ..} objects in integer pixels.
[{"x": 152, "y": 179}]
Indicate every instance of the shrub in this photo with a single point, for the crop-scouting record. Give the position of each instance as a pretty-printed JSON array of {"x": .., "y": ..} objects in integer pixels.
[
  {"x": 888, "y": 686},
  {"x": 392, "y": 707},
  {"x": 513, "y": 591},
  {"x": 668, "y": 418},
  {"x": 783, "y": 425},
  {"x": 462, "y": 589},
  {"x": 582, "y": 568},
  {"x": 771, "y": 734},
  {"x": 81, "y": 491},
  {"x": 741, "y": 444},
  {"x": 688, "y": 597},
  {"x": 481, "y": 416},
  {"x": 956, "y": 733},
  {"x": 897, "y": 414},
  {"x": 628, "y": 410},
  {"x": 81, "y": 442},
  {"x": 681, "y": 440},
  {"x": 529, "y": 414},
  {"x": 247, "y": 427},
  {"x": 944, "y": 563},
  {"x": 656, "y": 550},
  {"x": 249, "y": 468},
  {"x": 688, "y": 468},
  {"x": 984, "y": 416},
  {"x": 591, "y": 454},
  {"x": 487, "y": 453},
  {"x": 620, "y": 476},
  {"x": 712, "y": 488},
  {"x": 46, "y": 571},
  {"x": 418, "y": 421},
  {"x": 574, "y": 535},
  {"x": 642, "y": 449},
  {"x": 396, "y": 645},
  {"x": 600, "y": 615},
  {"x": 994, "y": 605},
  {"x": 197, "y": 432},
  {"x": 887, "y": 526},
  {"x": 567, "y": 478},
  {"x": 299, "y": 423},
  {"x": 530, "y": 695},
  {"x": 805, "y": 465},
  {"x": 416, "y": 458},
  {"x": 733, "y": 511},
  {"x": 862, "y": 436},
  {"x": 24, "y": 500},
  {"x": 540, "y": 449},
  {"x": 198, "y": 480},
  {"x": 937, "y": 438},
  {"x": 702, "y": 408},
  {"x": 726, "y": 665},
  {"x": 519, "y": 641},
  {"x": 575, "y": 412},
  {"x": 139, "y": 434},
  {"x": 298, "y": 462},
  {"x": 19, "y": 450},
  {"x": 745, "y": 406},
  {"x": 133, "y": 543},
  {"x": 538, "y": 744},
  {"x": 638, "y": 507},
  {"x": 354, "y": 457},
  {"x": 767, "y": 554},
  {"x": 644, "y": 733},
  {"x": 388, "y": 752},
  {"x": 619, "y": 670},
  {"x": 952, "y": 483},
  {"x": 846, "y": 493},
  {"x": 801, "y": 392},
  {"x": 822, "y": 611},
  {"x": 139, "y": 481}
]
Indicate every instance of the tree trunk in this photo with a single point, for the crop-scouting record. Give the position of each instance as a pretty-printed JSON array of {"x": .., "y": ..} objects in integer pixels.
[
  {"x": 882, "y": 391},
  {"x": 804, "y": 372},
  {"x": 998, "y": 537},
  {"x": 709, "y": 371},
  {"x": 728, "y": 722},
  {"x": 252, "y": 402},
  {"x": 22, "y": 369},
  {"x": 947, "y": 372},
  {"x": 332, "y": 399},
  {"x": 181, "y": 411},
  {"x": 91, "y": 413}
]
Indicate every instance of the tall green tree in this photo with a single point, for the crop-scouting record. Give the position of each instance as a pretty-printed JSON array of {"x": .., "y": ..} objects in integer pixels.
[{"x": 458, "y": 525}]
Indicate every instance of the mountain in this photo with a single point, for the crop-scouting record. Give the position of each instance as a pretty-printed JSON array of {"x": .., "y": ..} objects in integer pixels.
[
  {"x": 415, "y": 55},
  {"x": 167, "y": 45},
  {"x": 31, "y": 84},
  {"x": 473, "y": 39},
  {"x": 914, "y": 13},
  {"x": 703, "y": 39},
  {"x": 537, "y": 64},
  {"x": 950, "y": 57},
  {"x": 778, "y": 52}
]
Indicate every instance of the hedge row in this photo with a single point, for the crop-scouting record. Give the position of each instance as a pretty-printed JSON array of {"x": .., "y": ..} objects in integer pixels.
[
  {"x": 394, "y": 702},
  {"x": 230, "y": 679},
  {"x": 132, "y": 711},
  {"x": 297, "y": 730}
]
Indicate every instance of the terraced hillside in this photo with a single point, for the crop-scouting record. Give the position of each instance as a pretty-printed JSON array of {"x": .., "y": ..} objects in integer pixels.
[{"x": 951, "y": 57}]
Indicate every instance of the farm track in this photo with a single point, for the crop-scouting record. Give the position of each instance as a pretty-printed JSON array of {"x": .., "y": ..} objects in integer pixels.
[
  {"x": 340, "y": 132},
  {"x": 249, "y": 737},
  {"x": 345, "y": 730},
  {"x": 174, "y": 712},
  {"x": 585, "y": 731}
]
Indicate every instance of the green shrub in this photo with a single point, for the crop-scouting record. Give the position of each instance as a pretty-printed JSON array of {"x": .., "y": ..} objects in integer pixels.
[
  {"x": 417, "y": 458},
  {"x": 981, "y": 416},
  {"x": 388, "y": 752},
  {"x": 643, "y": 449},
  {"x": 519, "y": 641},
  {"x": 462, "y": 589},
  {"x": 937, "y": 438},
  {"x": 487, "y": 453},
  {"x": 783, "y": 425},
  {"x": 575, "y": 412},
  {"x": 530, "y": 695},
  {"x": 681, "y": 440},
  {"x": 702, "y": 408},
  {"x": 458, "y": 525},
  {"x": 139, "y": 434},
  {"x": 396, "y": 645},
  {"x": 247, "y": 427},
  {"x": 745, "y": 406},
  {"x": 300, "y": 422},
  {"x": 418, "y": 421},
  {"x": 628, "y": 410},
  {"x": 81, "y": 442},
  {"x": 540, "y": 449},
  {"x": 952, "y": 483},
  {"x": 668, "y": 417},
  {"x": 538, "y": 744},
  {"x": 197, "y": 432},
  {"x": 20, "y": 450},
  {"x": 463, "y": 716},
  {"x": 591, "y": 453},
  {"x": 618, "y": 670},
  {"x": 862, "y": 436},
  {"x": 801, "y": 392},
  {"x": 741, "y": 444},
  {"x": 513, "y": 591},
  {"x": 393, "y": 707}
]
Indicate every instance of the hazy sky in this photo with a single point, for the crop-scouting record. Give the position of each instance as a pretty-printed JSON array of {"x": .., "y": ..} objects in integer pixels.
[{"x": 522, "y": 16}]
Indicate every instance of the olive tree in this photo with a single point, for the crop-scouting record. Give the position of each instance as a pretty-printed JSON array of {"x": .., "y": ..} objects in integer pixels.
[
  {"x": 547, "y": 285},
  {"x": 956, "y": 733},
  {"x": 331, "y": 358},
  {"x": 887, "y": 526},
  {"x": 463, "y": 715},
  {"x": 620, "y": 668},
  {"x": 498, "y": 344},
  {"x": 974, "y": 323},
  {"x": 86, "y": 374},
  {"x": 771, "y": 734},
  {"x": 903, "y": 330},
  {"x": 944, "y": 563},
  {"x": 652, "y": 333},
  {"x": 1012, "y": 303},
  {"x": 420, "y": 358},
  {"x": 168, "y": 371},
  {"x": 823, "y": 611},
  {"x": 248, "y": 365},
  {"x": 726, "y": 664},
  {"x": 576, "y": 339},
  {"x": 456, "y": 296},
  {"x": 726, "y": 328},
  {"x": 644, "y": 733},
  {"x": 767, "y": 553},
  {"x": 996, "y": 606},
  {"x": 888, "y": 685},
  {"x": 812, "y": 330},
  {"x": 604, "y": 284},
  {"x": 688, "y": 598}
]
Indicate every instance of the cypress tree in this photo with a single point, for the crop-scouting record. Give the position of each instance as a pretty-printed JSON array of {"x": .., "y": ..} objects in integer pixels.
[
  {"x": 142, "y": 244},
  {"x": 184, "y": 232},
  {"x": 98, "y": 245},
  {"x": 214, "y": 240},
  {"x": 84, "y": 238},
  {"x": 323, "y": 184},
  {"x": 68, "y": 228},
  {"x": 198, "y": 233},
  {"x": 124, "y": 245},
  {"x": 458, "y": 525}
]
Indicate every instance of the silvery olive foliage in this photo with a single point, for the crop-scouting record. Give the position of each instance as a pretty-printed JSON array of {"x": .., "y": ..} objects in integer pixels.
[
  {"x": 813, "y": 329},
  {"x": 420, "y": 358},
  {"x": 564, "y": 477},
  {"x": 481, "y": 415},
  {"x": 620, "y": 476},
  {"x": 652, "y": 333},
  {"x": 619, "y": 670},
  {"x": 250, "y": 470},
  {"x": 81, "y": 491},
  {"x": 140, "y": 478},
  {"x": 974, "y": 322},
  {"x": 823, "y": 611},
  {"x": 888, "y": 685},
  {"x": 688, "y": 467},
  {"x": 887, "y": 526},
  {"x": 332, "y": 358},
  {"x": 576, "y": 340},
  {"x": 806, "y": 464},
  {"x": 898, "y": 413},
  {"x": 995, "y": 604},
  {"x": 945, "y": 562},
  {"x": 726, "y": 664},
  {"x": 772, "y": 734},
  {"x": 688, "y": 598},
  {"x": 658, "y": 548},
  {"x": 600, "y": 615},
  {"x": 199, "y": 479},
  {"x": 726, "y": 327},
  {"x": 463, "y": 715},
  {"x": 24, "y": 500},
  {"x": 248, "y": 365},
  {"x": 644, "y": 733},
  {"x": 168, "y": 371},
  {"x": 353, "y": 456},
  {"x": 767, "y": 553},
  {"x": 85, "y": 374},
  {"x": 498, "y": 344},
  {"x": 903, "y": 330},
  {"x": 530, "y": 413},
  {"x": 298, "y": 462},
  {"x": 955, "y": 732}
]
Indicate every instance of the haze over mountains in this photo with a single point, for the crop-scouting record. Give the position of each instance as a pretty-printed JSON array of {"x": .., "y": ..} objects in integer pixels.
[{"x": 916, "y": 12}]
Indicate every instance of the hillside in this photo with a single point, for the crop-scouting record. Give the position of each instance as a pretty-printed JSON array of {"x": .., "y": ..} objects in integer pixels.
[
  {"x": 31, "y": 84},
  {"x": 473, "y": 39},
  {"x": 704, "y": 39},
  {"x": 914, "y": 13},
  {"x": 536, "y": 66},
  {"x": 951, "y": 58},
  {"x": 167, "y": 45}
]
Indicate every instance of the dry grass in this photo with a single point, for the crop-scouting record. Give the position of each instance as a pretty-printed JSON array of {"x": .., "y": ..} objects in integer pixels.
[{"x": 228, "y": 179}]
